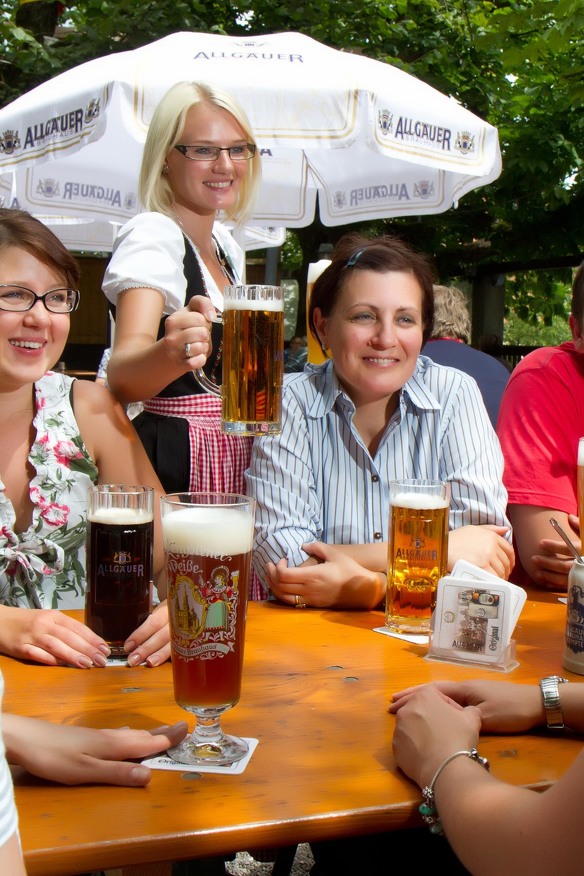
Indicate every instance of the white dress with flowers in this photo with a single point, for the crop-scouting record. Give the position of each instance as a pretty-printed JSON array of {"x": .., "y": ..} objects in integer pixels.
[{"x": 44, "y": 567}]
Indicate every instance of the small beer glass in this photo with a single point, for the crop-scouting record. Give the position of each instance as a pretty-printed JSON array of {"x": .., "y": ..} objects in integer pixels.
[
  {"x": 417, "y": 552},
  {"x": 253, "y": 360},
  {"x": 207, "y": 546},
  {"x": 120, "y": 534}
]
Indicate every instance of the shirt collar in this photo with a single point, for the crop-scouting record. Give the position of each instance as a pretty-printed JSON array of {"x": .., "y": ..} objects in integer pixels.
[{"x": 328, "y": 389}]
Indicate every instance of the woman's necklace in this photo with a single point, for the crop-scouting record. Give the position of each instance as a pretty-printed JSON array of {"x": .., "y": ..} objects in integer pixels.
[{"x": 221, "y": 257}]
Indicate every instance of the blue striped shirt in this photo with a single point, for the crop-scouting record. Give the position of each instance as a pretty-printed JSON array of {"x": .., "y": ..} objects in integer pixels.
[{"x": 316, "y": 481}]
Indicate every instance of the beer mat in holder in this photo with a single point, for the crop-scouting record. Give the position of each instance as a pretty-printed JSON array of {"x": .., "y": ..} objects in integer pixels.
[
  {"x": 161, "y": 762},
  {"x": 415, "y": 638}
]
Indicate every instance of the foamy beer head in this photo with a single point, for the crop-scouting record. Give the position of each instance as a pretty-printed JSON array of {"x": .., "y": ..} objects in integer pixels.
[
  {"x": 419, "y": 501},
  {"x": 253, "y": 359},
  {"x": 121, "y": 516},
  {"x": 211, "y": 531},
  {"x": 417, "y": 552}
]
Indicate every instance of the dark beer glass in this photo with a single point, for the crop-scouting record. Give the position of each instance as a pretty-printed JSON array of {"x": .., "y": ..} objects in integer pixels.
[
  {"x": 120, "y": 531},
  {"x": 253, "y": 360},
  {"x": 207, "y": 547}
]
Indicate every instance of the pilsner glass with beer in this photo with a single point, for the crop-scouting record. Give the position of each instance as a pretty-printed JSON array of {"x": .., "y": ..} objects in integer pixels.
[
  {"x": 417, "y": 552},
  {"x": 253, "y": 360},
  {"x": 120, "y": 533},
  {"x": 207, "y": 546}
]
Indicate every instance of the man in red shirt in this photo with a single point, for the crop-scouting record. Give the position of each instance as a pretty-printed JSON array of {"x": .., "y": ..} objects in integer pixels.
[{"x": 541, "y": 420}]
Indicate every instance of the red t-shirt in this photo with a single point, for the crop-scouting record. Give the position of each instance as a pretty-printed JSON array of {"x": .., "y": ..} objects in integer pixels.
[{"x": 541, "y": 420}]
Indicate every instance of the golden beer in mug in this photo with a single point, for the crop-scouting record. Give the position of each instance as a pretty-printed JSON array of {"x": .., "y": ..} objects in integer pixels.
[
  {"x": 252, "y": 360},
  {"x": 253, "y": 334},
  {"x": 417, "y": 553}
]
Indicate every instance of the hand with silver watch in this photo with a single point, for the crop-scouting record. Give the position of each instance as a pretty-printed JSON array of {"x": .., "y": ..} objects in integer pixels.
[{"x": 550, "y": 692}]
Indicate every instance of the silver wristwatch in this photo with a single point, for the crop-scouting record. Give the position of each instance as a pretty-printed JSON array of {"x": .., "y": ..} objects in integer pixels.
[{"x": 551, "y": 701}]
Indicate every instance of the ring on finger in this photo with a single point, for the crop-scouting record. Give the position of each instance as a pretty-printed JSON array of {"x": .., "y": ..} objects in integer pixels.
[
  {"x": 188, "y": 350},
  {"x": 299, "y": 602}
]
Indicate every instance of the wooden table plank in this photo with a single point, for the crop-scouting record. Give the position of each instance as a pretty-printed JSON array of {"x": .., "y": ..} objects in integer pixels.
[{"x": 315, "y": 693}]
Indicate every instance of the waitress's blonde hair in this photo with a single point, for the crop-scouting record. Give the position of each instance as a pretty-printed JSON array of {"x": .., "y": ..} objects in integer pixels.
[{"x": 165, "y": 132}]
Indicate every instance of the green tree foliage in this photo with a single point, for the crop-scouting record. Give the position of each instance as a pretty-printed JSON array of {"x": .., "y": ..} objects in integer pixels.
[{"x": 516, "y": 63}]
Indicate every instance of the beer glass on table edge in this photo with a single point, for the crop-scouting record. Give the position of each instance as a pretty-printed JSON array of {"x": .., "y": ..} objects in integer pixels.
[
  {"x": 417, "y": 552},
  {"x": 120, "y": 536},
  {"x": 207, "y": 546},
  {"x": 252, "y": 360}
]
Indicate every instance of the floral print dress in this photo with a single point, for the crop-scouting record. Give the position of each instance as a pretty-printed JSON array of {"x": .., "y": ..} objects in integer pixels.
[{"x": 44, "y": 567}]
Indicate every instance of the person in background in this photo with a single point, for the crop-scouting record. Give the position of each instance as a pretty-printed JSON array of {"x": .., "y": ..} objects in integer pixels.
[
  {"x": 540, "y": 423},
  {"x": 491, "y": 344},
  {"x": 165, "y": 279},
  {"x": 493, "y": 827},
  {"x": 59, "y": 436},
  {"x": 101, "y": 373},
  {"x": 374, "y": 411},
  {"x": 297, "y": 355},
  {"x": 448, "y": 344}
]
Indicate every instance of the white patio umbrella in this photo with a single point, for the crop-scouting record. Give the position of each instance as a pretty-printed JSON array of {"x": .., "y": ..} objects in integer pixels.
[{"x": 361, "y": 137}]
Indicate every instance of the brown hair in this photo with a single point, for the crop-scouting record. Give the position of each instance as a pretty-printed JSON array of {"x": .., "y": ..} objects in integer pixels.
[
  {"x": 21, "y": 230},
  {"x": 354, "y": 252}
]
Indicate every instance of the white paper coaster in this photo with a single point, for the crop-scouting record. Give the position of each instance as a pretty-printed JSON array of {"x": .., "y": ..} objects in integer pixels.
[
  {"x": 406, "y": 637},
  {"x": 162, "y": 762}
]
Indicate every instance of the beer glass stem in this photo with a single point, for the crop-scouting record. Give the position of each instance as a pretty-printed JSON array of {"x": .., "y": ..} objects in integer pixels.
[
  {"x": 208, "y": 729},
  {"x": 208, "y": 744}
]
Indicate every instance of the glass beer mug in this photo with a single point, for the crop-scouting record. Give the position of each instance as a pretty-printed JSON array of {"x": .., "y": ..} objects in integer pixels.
[
  {"x": 417, "y": 552},
  {"x": 253, "y": 360}
]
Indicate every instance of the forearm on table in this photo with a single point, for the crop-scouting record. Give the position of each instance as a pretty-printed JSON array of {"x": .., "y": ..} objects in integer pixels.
[
  {"x": 572, "y": 705},
  {"x": 495, "y": 827},
  {"x": 371, "y": 556},
  {"x": 9, "y": 629},
  {"x": 16, "y": 732}
]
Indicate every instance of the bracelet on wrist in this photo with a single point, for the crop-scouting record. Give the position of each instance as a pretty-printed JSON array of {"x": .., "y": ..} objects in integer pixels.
[{"x": 428, "y": 809}]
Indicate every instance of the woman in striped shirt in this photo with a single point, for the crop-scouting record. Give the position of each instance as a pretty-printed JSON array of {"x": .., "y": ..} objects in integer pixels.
[{"x": 374, "y": 411}]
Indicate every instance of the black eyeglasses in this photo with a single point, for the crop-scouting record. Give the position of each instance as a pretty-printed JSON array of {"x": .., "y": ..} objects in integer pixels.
[
  {"x": 18, "y": 299},
  {"x": 212, "y": 153}
]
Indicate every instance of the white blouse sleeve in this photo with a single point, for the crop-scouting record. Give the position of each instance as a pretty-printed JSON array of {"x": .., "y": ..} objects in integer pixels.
[{"x": 148, "y": 253}]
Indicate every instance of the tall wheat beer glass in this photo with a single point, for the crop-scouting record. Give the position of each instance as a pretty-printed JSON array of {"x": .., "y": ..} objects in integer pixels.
[
  {"x": 417, "y": 552},
  {"x": 207, "y": 545},
  {"x": 120, "y": 531},
  {"x": 253, "y": 360}
]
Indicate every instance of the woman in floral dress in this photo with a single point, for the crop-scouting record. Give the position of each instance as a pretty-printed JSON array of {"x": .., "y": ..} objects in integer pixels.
[{"x": 59, "y": 436}]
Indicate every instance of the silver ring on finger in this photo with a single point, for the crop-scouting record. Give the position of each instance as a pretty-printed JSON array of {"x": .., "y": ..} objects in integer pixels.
[
  {"x": 188, "y": 350},
  {"x": 299, "y": 602}
]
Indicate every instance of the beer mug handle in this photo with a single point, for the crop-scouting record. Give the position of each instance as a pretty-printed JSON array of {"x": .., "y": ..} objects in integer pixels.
[
  {"x": 202, "y": 379},
  {"x": 206, "y": 383}
]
